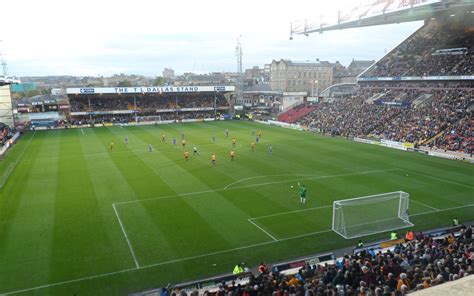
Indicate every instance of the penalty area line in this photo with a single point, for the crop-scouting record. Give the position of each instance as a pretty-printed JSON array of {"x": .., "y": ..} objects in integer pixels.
[
  {"x": 126, "y": 238},
  {"x": 263, "y": 230},
  {"x": 165, "y": 263},
  {"x": 425, "y": 205},
  {"x": 291, "y": 212},
  {"x": 198, "y": 256},
  {"x": 253, "y": 185}
]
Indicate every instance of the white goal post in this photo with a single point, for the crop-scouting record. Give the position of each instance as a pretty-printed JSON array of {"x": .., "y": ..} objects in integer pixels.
[
  {"x": 361, "y": 216},
  {"x": 149, "y": 118}
]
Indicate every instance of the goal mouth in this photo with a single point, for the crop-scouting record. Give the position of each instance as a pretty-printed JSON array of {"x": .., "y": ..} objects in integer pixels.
[{"x": 373, "y": 214}]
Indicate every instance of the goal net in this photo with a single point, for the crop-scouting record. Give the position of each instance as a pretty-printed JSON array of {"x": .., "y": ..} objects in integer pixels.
[
  {"x": 372, "y": 214},
  {"x": 151, "y": 118}
]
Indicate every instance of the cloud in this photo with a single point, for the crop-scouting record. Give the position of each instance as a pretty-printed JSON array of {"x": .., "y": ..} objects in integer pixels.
[{"x": 52, "y": 37}]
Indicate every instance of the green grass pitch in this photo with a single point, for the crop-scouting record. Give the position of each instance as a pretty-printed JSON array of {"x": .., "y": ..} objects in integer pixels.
[{"x": 76, "y": 217}]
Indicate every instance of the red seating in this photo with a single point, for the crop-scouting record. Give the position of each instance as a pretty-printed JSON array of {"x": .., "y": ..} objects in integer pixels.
[{"x": 292, "y": 115}]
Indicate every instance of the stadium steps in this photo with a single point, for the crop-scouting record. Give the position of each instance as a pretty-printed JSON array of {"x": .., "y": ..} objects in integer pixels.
[
  {"x": 374, "y": 98},
  {"x": 293, "y": 115},
  {"x": 433, "y": 138},
  {"x": 401, "y": 97},
  {"x": 422, "y": 99}
]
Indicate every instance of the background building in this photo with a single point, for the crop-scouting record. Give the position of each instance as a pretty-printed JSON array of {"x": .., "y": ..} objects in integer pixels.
[
  {"x": 308, "y": 76},
  {"x": 349, "y": 74},
  {"x": 168, "y": 73}
]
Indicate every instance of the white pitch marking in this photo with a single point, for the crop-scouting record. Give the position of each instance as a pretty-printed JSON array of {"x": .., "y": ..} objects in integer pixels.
[
  {"x": 290, "y": 212},
  {"x": 423, "y": 204},
  {"x": 443, "y": 210},
  {"x": 264, "y": 176},
  {"x": 313, "y": 177},
  {"x": 264, "y": 231},
  {"x": 16, "y": 162},
  {"x": 251, "y": 185},
  {"x": 126, "y": 238},
  {"x": 82, "y": 131},
  {"x": 439, "y": 179},
  {"x": 199, "y": 256}
]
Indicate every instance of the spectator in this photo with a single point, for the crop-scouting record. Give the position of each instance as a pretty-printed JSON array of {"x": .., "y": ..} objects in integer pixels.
[
  {"x": 403, "y": 282},
  {"x": 238, "y": 268}
]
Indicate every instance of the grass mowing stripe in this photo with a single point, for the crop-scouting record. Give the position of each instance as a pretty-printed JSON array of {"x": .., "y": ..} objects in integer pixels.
[
  {"x": 210, "y": 231},
  {"x": 254, "y": 185},
  {"x": 5, "y": 179},
  {"x": 90, "y": 242},
  {"x": 439, "y": 179},
  {"x": 291, "y": 212},
  {"x": 264, "y": 176},
  {"x": 203, "y": 255},
  {"x": 423, "y": 204},
  {"x": 443, "y": 210},
  {"x": 126, "y": 238},
  {"x": 264, "y": 231}
]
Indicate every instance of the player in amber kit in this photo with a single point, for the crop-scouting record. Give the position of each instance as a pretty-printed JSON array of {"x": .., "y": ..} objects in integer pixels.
[
  {"x": 112, "y": 145},
  {"x": 183, "y": 143},
  {"x": 232, "y": 154},
  {"x": 252, "y": 145},
  {"x": 186, "y": 155},
  {"x": 163, "y": 138},
  {"x": 234, "y": 140},
  {"x": 213, "y": 158}
]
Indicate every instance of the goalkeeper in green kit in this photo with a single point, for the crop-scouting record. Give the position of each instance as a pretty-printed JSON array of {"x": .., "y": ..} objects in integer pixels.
[{"x": 302, "y": 193}]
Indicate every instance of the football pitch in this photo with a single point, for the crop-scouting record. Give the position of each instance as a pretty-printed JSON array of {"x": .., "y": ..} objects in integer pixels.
[{"x": 78, "y": 217}]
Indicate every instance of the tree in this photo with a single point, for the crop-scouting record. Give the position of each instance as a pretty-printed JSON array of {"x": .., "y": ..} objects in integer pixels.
[
  {"x": 124, "y": 83},
  {"x": 32, "y": 93},
  {"x": 158, "y": 81}
]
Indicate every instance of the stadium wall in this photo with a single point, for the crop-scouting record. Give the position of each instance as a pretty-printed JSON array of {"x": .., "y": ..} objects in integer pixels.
[{"x": 6, "y": 111}]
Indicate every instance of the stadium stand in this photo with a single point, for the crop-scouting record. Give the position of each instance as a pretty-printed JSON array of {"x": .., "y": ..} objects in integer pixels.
[
  {"x": 437, "y": 49},
  {"x": 435, "y": 117},
  {"x": 421, "y": 92},
  {"x": 389, "y": 268},
  {"x": 122, "y": 108}
]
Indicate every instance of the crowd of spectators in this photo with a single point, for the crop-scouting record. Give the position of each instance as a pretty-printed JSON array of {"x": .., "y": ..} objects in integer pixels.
[
  {"x": 146, "y": 102},
  {"x": 146, "y": 117},
  {"x": 5, "y": 134},
  {"x": 437, "y": 49},
  {"x": 458, "y": 136},
  {"x": 417, "y": 264},
  {"x": 444, "y": 111},
  {"x": 146, "y": 108},
  {"x": 418, "y": 85}
]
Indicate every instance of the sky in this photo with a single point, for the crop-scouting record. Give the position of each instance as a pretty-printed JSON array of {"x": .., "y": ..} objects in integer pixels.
[{"x": 101, "y": 37}]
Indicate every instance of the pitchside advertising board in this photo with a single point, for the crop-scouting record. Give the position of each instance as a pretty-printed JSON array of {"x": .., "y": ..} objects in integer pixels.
[{"x": 148, "y": 90}]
